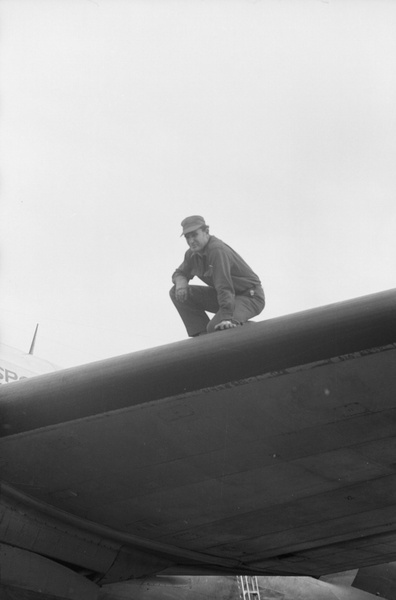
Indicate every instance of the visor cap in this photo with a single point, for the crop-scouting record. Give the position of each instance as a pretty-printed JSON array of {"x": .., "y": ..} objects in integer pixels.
[{"x": 192, "y": 223}]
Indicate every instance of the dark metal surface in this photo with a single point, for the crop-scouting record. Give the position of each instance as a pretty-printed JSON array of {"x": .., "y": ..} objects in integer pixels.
[
  {"x": 267, "y": 449},
  {"x": 193, "y": 364}
]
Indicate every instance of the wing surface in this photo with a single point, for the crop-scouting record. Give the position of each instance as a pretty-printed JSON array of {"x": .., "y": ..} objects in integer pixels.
[{"x": 267, "y": 449}]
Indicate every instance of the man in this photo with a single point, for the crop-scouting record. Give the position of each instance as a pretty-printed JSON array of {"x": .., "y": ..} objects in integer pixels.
[{"x": 233, "y": 291}]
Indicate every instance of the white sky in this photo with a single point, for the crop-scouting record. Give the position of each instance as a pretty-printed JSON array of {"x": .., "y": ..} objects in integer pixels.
[{"x": 274, "y": 119}]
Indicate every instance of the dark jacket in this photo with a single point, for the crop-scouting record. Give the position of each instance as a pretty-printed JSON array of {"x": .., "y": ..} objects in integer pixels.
[{"x": 220, "y": 267}]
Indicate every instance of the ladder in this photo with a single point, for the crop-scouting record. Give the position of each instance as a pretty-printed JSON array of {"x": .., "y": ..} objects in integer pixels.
[{"x": 249, "y": 588}]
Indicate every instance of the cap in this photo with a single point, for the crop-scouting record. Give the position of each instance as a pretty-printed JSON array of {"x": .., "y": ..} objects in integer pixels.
[{"x": 192, "y": 223}]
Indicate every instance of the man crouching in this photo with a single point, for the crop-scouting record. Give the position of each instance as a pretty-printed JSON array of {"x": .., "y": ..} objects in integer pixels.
[{"x": 233, "y": 291}]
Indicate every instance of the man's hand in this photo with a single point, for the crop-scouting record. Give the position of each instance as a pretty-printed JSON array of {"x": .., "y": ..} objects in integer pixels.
[
  {"x": 225, "y": 325},
  {"x": 181, "y": 293}
]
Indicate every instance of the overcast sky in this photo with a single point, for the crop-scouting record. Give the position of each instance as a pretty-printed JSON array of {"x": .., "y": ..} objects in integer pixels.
[{"x": 274, "y": 119}]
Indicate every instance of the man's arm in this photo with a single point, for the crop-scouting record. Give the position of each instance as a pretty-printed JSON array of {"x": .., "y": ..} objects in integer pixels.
[
  {"x": 181, "y": 288},
  {"x": 180, "y": 278}
]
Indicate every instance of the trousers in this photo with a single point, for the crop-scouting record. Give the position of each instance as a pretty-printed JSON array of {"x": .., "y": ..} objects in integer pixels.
[{"x": 203, "y": 299}]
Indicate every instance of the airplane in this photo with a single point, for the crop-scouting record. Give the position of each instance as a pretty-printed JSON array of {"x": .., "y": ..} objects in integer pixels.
[
  {"x": 263, "y": 451},
  {"x": 16, "y": 365}
]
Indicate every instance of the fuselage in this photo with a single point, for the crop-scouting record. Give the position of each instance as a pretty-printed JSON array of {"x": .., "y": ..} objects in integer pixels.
[{"x": 16, "y": 365}]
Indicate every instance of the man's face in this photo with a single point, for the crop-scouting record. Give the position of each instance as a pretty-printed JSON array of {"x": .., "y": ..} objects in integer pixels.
[{"x": 197, "y": 239}]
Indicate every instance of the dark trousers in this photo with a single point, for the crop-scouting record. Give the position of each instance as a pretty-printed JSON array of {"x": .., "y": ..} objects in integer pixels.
[{"x": 202, "y": 299}]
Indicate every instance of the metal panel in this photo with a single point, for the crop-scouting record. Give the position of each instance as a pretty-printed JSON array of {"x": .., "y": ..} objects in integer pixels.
[{"x": 234, "y": 447}]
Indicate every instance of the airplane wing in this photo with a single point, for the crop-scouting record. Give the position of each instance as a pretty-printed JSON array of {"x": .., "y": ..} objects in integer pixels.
[{"x": 267, "y": 450}]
